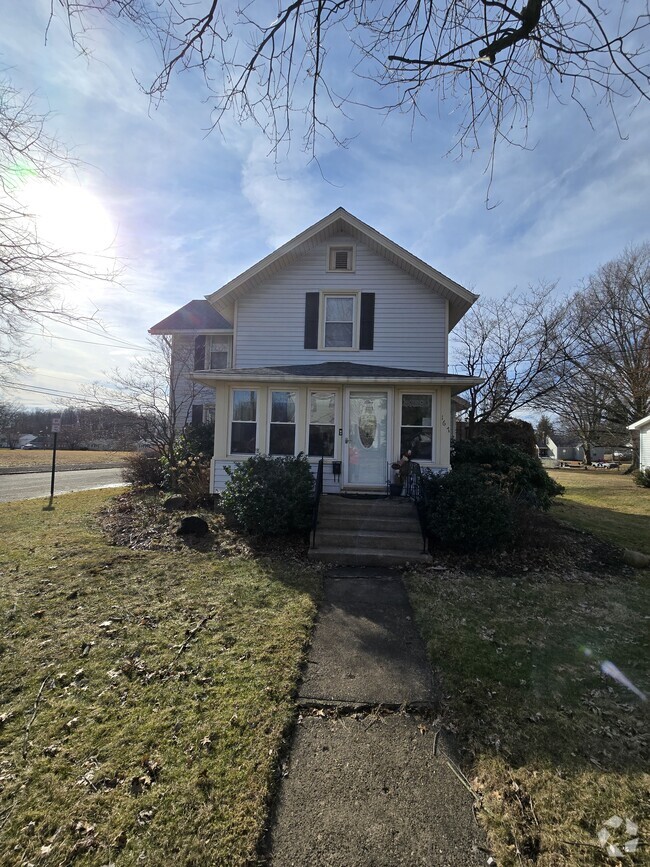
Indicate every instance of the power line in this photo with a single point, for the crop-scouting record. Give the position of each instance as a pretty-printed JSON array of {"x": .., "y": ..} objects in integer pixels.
[{"x": 78, "y": 340}]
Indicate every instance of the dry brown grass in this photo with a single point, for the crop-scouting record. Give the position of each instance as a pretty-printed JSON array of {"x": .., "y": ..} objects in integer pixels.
[{"x": 31, "y": 459}]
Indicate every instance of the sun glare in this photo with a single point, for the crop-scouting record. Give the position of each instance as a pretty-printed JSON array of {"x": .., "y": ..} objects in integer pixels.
[{"x": 69, "y": 217}]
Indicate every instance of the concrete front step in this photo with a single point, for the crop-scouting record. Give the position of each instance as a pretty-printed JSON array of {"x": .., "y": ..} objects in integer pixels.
[
  {"x": 380, "y": 508},
  {"x": 366, "y": 557},
  {"x": 399, "y": 524},
  {"x": 368, "y": 532},
  {"x": 410, "y": 541}
]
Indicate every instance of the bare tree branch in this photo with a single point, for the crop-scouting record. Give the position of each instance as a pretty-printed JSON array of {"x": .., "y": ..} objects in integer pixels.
[{"x": 492, "y": 59}]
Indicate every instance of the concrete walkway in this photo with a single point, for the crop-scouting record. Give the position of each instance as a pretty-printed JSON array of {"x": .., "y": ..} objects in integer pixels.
[{"x": 367, "y": 781}]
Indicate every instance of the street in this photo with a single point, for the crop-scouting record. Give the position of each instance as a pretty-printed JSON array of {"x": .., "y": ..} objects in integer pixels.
[{"x": 24, "y": 486}]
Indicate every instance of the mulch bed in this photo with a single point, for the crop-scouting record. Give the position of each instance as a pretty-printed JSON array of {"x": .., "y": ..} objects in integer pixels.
[{"x": 139, "y": 521}]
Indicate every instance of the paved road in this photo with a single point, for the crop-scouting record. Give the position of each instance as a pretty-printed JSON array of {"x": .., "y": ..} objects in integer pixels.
[{"x": 30, "y": 485}]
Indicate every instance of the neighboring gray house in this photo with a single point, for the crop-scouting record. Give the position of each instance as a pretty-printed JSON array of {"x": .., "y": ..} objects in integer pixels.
[
  {"x": 643, "y": 428},
  {"x": 334, "y": 345},
  {"x": 564, "y": 447}
]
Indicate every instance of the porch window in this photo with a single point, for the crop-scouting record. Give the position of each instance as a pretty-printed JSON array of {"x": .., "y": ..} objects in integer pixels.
[
  {"x": 282, "y": 429},
  {"x": 338, "y": 324},
  {"x": 322, "y": 420},
  {"x": 243, "y": 433},
  {"x": 416, "y": 432}
]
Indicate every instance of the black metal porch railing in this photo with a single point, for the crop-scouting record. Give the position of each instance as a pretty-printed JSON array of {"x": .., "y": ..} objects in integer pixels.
[
  {"x": 318, "y": 490},
  {"x": 412, "y": 487}
]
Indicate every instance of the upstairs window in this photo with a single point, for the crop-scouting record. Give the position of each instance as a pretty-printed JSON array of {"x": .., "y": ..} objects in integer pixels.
[
  {"x": 338, "y": 321},
  {"x": 218, "y": 353},
  {"x": 340, "y": 259},
  {"x": 211, "y": 353}
]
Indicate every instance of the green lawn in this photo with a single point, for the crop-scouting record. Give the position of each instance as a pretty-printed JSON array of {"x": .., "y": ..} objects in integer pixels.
[
  {"x": 553, "y": 746},
  {"x": 144, "y": 695},
  {"x": 607, "y": 504}
]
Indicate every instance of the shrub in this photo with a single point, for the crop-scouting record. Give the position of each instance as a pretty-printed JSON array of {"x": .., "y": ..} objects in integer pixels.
[
  {"x": 519, "y": 474},
  {"x": 193, "y": 480},
  {"x": 642, "y": 478},
  {"x": 188, "y": 471},
  {"x": 143, "y": 470},
  {"x": 270, "y": 496},
  {"x": 468, "y": 510}
]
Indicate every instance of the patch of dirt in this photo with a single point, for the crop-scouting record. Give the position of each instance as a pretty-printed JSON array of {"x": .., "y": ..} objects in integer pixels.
[{"x": 139, "y": 521}]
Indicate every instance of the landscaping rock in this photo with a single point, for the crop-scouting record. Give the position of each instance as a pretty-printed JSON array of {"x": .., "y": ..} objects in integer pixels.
[
  {"x": 636, "y": 559},
  {"x": 193, "y": 526}
]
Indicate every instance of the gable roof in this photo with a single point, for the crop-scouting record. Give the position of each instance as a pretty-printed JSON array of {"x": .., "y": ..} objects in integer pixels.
[
  {"x": 196, "y": 315},
  {"x": 340, "y": 220}
]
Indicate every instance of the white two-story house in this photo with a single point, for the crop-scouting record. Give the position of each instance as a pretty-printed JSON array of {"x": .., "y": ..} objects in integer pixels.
[{"x": 334, "y": 345}]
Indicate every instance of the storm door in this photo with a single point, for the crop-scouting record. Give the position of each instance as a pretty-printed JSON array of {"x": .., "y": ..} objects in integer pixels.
[{"x": 366, "y": 441}]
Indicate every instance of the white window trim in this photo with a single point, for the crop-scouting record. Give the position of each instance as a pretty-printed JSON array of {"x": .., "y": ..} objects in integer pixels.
[
  {"x": 434, "y": 426},
  {"x": 356, "y": 321},
  {"x": 337, "y": 422},
  {"x": 241, "y": 455},
  {"x": 351, "y": 248},
  {"x": 269, "y": 414},
  {"x": 227, "y": 340}
]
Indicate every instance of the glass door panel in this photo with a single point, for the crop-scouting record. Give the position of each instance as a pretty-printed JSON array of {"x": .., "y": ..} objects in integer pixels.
[{"x": 367, "y": 438}]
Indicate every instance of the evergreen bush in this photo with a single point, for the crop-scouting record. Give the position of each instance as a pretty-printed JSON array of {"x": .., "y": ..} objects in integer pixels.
[
  {"x": 468, "y": 510},
  {"x": 519, "y": 474},
  {"x": 269, "y": 495}
]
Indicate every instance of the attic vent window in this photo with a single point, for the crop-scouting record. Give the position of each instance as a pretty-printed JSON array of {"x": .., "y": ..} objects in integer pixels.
[{"x": 341, "y": 259}]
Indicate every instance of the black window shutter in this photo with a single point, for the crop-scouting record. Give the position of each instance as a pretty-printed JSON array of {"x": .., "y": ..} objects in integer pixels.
[
  {"x": 197, "y": 414},
  {"x": 311, "y": 320},
  {"x": 367, "y": 321},
  {"x": 199, "y": 352}
]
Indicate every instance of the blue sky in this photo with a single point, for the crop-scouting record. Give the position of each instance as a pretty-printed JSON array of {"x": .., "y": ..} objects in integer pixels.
[{"x": 189, "y": 211}]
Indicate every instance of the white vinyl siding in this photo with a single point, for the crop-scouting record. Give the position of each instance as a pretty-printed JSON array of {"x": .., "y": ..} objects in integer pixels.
[
  {"x": 410, "y": 319},
  {"x": 644, "y": 447}
]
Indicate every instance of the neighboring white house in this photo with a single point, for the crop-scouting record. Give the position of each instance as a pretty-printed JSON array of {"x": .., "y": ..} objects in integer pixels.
[
  {"x": 643, "y": 428},
  {"x": 334, "y": 345}
]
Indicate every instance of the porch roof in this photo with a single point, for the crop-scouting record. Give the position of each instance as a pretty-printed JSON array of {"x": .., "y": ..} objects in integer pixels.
[{"x": 337, "y": 372}]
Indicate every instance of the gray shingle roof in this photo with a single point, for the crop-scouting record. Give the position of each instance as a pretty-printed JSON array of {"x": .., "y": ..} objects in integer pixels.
[
  {"x": 338, "y": 369},
  {"x": 194, "y": 316}
]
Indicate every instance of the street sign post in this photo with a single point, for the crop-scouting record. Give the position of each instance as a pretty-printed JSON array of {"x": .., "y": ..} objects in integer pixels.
[{"x": 55, "y": 428}]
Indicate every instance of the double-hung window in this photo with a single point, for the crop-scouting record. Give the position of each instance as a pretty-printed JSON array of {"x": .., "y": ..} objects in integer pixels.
[
  {"x": 339, "y": 321},
  {"x": 416, "y": 432},
  {"x": 218, "y": 352},
  {"x": 243, "y": 431},
  {"x": 282, "y": 427},
  {"x": 322, "y": 420}
]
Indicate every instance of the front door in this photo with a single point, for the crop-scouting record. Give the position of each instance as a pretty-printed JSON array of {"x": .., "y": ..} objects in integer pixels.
[{"x": 366, "y": 441}]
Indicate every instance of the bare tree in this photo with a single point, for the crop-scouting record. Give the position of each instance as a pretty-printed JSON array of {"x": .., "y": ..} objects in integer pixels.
[
  {"x": 511, "y": 343},
  {"x": 491, "y": 59},
  {"x": 9, "y": 431},
  {"x": 32, "y": 271},
  {"x": 157, "y": 391},
  {"x": 607, "y": 343}
]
